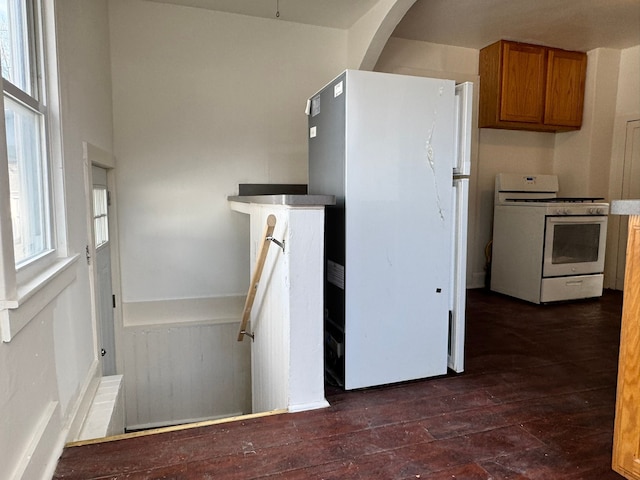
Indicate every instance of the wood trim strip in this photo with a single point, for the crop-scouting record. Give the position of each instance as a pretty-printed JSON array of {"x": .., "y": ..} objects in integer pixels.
[{"x": 174, "y": 428}]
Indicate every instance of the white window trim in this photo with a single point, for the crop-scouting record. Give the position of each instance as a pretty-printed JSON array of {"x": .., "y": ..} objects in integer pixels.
[
  {"x": 34, "y": 296},
  {"x": 25, "y": 293}
]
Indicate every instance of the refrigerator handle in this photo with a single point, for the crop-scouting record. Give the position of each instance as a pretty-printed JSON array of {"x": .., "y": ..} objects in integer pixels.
[{"x": 464, "y": 106}]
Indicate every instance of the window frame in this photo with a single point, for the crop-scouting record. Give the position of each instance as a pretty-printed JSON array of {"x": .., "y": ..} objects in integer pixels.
[
  {"x": 35, "y": 101},
  {"x": 26, "y": 288},
  {"x": 101, "y": 219}
]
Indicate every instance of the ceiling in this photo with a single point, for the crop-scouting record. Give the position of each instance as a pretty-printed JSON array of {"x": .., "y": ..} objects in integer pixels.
[
  {"x": 326, "y": 13},
  {"x": 570, "y": 24}
]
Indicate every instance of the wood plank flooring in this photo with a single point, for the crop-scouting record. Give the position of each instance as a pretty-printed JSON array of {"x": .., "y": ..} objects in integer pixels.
[{"x": 536, "y": 402}]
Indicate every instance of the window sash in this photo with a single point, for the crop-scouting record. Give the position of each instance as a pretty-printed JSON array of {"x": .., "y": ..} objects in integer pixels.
[
  {"x": 28, "y": 181},
  {"x": 18, "y": 45},
  {"x": 26, "y": 130}
]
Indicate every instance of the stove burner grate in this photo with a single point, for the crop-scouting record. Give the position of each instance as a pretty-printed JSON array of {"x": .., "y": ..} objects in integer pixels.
[{"x": 557, "y": 200}]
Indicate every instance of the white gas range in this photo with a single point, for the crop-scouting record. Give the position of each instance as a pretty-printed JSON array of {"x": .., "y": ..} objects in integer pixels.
[{"x": 546, "y": 248}]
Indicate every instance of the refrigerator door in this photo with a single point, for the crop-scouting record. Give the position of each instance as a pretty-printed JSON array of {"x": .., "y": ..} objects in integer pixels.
[
  {"x": 399, "y": 139},
  {"x": 459, "y": 277},
  {"x": 464, "y": 105}
]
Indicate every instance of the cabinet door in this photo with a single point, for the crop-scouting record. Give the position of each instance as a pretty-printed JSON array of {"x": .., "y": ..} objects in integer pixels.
[
  {"x": 626, "y": 435},
  {"x": 565, "y": 88},
  {"x": 523, "y": 80}
]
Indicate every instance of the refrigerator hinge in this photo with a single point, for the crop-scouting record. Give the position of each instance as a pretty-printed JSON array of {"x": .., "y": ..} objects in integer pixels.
[{"x": 450, "y": 336}]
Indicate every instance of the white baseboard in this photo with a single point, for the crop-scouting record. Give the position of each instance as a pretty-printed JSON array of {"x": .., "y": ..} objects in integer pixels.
[
  {"x": 83, "y": 403},
  {"x": 106, "y": 415},
  {"x": 149, "y": 426},
  {"x": 303, "y": 407},
  {"x": 32, "y": 465},
  {"x": 477, "y": 280}
]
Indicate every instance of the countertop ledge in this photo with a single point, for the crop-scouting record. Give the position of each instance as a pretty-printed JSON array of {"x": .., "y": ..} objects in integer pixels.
[
  {"x": 285, "y": 199},
  {"x": 625, "y": 207}
]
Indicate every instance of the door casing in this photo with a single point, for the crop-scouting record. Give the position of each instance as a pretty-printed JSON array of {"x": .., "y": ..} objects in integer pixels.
[{"x": 95, "y": 156}]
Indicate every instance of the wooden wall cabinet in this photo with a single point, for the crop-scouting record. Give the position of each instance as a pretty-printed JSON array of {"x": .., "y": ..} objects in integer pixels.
[{"x": 531, "y": 87}]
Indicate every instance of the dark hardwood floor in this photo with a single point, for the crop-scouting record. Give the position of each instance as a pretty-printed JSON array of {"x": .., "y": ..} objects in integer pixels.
[{"x": 536, "y": 402}]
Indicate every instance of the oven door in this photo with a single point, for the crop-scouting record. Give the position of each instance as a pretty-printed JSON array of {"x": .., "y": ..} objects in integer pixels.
[{"x": 574, "y": 245}]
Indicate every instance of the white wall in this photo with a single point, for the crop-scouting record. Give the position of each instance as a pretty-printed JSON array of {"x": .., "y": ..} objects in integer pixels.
[
  {"x": 428, "y": 59},
  {"x": 627, "y": 109},
  {"x": 50, "y": 364},
  {"x": 203, "y": 101},
  {"x": 502, "y": 151},
  {"x": 86, "y": 115},
  {"x": 367, "y": 36},
  {"x": 628, "y": 101}
]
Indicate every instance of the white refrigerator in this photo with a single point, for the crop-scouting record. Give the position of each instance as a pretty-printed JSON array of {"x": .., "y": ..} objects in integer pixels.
[{"x": 394, "y": 150}]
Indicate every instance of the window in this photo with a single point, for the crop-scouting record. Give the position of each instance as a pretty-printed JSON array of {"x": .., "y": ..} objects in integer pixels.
[
  {"x": 30, "y": 151},
  {"x": 25, "y": 129},
  {"x": 100, "y": 215}
]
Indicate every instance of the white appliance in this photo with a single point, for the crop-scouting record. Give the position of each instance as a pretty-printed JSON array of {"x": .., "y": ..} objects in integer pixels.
[
  {"x": 546, "y": 248},
  {"x": 395, "y": 152}
]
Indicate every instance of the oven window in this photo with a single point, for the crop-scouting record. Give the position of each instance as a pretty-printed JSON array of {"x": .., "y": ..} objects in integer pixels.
[{"x": 575, "y": 243}]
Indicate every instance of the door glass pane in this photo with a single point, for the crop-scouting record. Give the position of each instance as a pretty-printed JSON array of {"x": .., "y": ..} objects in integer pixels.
[
  {"x": 100, "y": 218},
  {"x": 575, "y": 243},
  {"x": 27, "y": 181},
  {"x": 14, "y": 44}
]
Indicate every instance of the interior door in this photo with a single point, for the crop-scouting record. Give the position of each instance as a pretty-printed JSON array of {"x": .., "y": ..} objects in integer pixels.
[
  {"x": 630, "y": 190},
  {"x": 626, "y": 437},
  {"x": 104, "y": 292}
]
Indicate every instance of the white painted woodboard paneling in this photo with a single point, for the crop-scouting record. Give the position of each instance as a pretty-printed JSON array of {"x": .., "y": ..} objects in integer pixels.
[
  {"x": 287, "y": 316},
  {"x": 269, "y": 318},
  {"x": 184, "y": 372}
]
